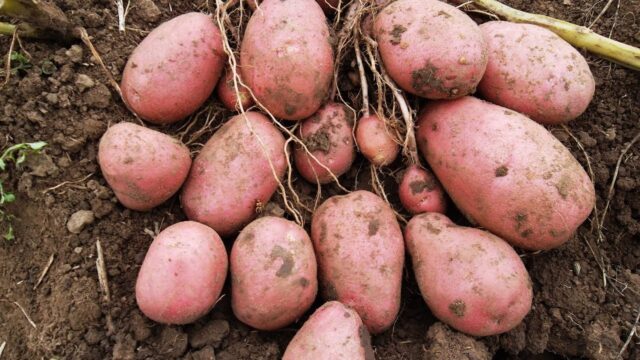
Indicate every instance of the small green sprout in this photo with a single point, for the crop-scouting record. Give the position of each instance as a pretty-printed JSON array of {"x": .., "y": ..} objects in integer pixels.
[{"x": 19, "y": 62}]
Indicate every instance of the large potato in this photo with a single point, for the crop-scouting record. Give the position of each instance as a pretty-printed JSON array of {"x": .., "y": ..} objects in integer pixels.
[
  {"x": 182, "y": 274},
  {"x": 360, "y": 255},
  {"x": 430, "y": 48},
  {"x": 235, "y": 173},
  {"x": 273, "y": 273},
  {"x": 144, "y": 167},
  {"x": 174, "y": 69},
  {"x": 290, "y": 69},
  {"x": 471, "y": 279},
  {"x": 506, "y": 172},
  {"x": 533, "y": 71},
  {"x": 420, "y": 191},
  {"x": 333, "y": 332}
]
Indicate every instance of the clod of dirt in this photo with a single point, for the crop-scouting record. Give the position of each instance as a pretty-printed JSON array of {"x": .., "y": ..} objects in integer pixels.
[
  {"x": 141, "y": 327},
  {"x": 84, "y": 82},
  {"x": 205, "y": 354},
  {"x": 75, "y": 53},
  {"x": 101, "y": 208},
  {"x": 41, "y": 165},
  {"x": 148, "y": 11},
  {"x": 79, "y": 220},
  {"x": 98, "y": 97},
  {"x": 125, "y": 348},
  {"x": 603, "y": 341},
  {"x": 211, "y": 333},
  {"x": 172, "y": 343},
  {"x": 445, "y": 344}
]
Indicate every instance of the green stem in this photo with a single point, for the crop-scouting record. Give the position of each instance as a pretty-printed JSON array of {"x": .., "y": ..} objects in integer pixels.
[{"x": 42, "y": 20}]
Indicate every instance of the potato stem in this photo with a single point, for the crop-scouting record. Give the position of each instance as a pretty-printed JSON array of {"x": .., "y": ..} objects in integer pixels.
[{"x": 42, "y": 20}]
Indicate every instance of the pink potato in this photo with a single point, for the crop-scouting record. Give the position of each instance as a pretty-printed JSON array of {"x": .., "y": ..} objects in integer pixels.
[
  {"x": 174, "y": 69},
  {"x": 328, "y": 136},
  {"x": 144, "y": 167},
  {"x": 328, "y": 6},
  {"x": 430, "y": 48},
  {"x": 469, "y": 278},
  {"x": 375, "y": 141},
  {"x": 273, "y": 273},
  {"x": 535, "y": 72},
  {"x": 286, "y": 57},
  {"x": 182, "y": 274},
  {"x": 227, "y": 93},
  {"x": 236, "y": 171},
  {"x": 360, "y": 254},
  {"x": 421, "y": 192},
  {"x": 506, "y": 172},
  {"x": 335, "y": 332}
]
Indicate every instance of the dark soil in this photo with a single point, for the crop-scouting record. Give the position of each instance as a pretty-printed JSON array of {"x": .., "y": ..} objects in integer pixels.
[{"x": 575, "y": 315}]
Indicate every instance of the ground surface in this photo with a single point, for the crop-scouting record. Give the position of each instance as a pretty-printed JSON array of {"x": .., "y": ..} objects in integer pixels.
[{"x": 574, "y": 316}]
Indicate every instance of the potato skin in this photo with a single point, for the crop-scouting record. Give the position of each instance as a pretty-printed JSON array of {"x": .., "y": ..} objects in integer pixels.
[
  {"x": 227, "y": 93},
  {"x": 334, "y": 331},
  {"x": 469, "y": 278},
  {"x": 144, "y": 167},
  {"x": 289, "y": 71},
  {"x": 182, "y": 274},
  {"x": 328, "y": 136},
  {"x": 375, "y": 142},
  {"x": 535, "y": 72},
  {"x": 506, "y": 172},
  {"x": 430, "y": 48},
  {"x": 360, "y": 253},
  {"x": 232, "y": 173},
  {"x": 174, "y": 69},
  {"x": 421, "y": 192},
  {"x": 273, "y": 273}
]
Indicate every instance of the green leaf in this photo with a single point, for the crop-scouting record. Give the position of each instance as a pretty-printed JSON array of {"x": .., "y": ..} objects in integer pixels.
[
  {"x": 2, "y": 165},
  {"x": 9, "y": 234},
  {"x": 37, "y": 145},
  {"x": 48, "y": 67},
  {"x": 21, "y": 158},
  {"x": 7, "y": 198}
]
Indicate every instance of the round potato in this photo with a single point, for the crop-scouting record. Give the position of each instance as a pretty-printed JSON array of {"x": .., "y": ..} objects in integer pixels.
[
  {"x": 375, "y": 141},
  {"x": 227, "y": 93},
  {"x": 421, "y": 192}
]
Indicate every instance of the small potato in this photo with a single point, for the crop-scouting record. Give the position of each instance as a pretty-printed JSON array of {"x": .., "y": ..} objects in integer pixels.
[
  {"x": 237, "y": 170},
  {"x": 469, "y": 278},
  {"x": 421, "y": 192},
  {"x": 273, "y": 273},
  {"x": 290, "y": 70},
  {"x": 328, "y": 136},
  {"x": 375, "y": 141},
  {"x": 182, "y": 274},
  {"x": 430, "y": 48},
  {"x": 144, "y": 167},
  {"x": 506, "y": 172},
  {"x": 360, "y": 255},
  {"x": 535, "y": 72},
  {"x": 174, "y": 69},
  {"x": 227, "y": 93},
  {"x": 333, "y": 332}
]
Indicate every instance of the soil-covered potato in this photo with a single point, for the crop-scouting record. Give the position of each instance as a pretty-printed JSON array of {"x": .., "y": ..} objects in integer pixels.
[
  {"x": 535, "y": 72},
  {"x": 506, "y": 172},
  {"x": 144, "y": 167},
  {"x": 174, "y": 69},
  {"x": 375, "y": 141},
  {"x": 273, "y": 273},
  {"x": 227, "y": 93},
  {"x": 421, "y": 192},
  {"x": 236, "y": 171}
]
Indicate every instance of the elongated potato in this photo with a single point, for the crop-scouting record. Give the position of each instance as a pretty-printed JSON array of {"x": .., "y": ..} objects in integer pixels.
[
  {"x": 360, "y": 256},
  {"x": 375, "y": 141},
  {"x": 471, "y": 279},
  {"x": 506, "y": 172},
  {"x": 420, "y": 191},
  {"x": 234, "y": 173}
]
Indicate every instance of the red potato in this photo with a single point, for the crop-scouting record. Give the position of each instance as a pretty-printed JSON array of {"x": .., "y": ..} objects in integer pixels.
[
  {"x": 469, "y": 278},
  {"x": 360, "y": 255},
  {"x": 273, "y": 273},
  {"x": 535, "y": 72},
  {"x": 182, "y": 274},
  {"x": 328, "y": 136},
  {"x": 227, "y": 93},
  {"x": 333, "y": 332},
  {"x": 234, "y": 173},
  {"x": 430, "y": 48},
  {"x": 421, "y": 192},
  {"x": 375, "y": 141},
  {"x": 290, "y": 70},
  {"x": 328, "y": 6},
  {"x": 506, "y": 172},
  {"x": 174, "y": 69},
  {"x": 144, "y": 167}
]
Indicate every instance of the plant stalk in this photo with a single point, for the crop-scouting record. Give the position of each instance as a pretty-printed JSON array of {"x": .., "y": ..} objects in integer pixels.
[{"x": 41, "y": 20}]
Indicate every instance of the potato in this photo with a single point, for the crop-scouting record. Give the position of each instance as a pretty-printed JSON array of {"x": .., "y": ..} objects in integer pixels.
[
  {"x": 328, "y": 136},
  {"x": 328, "y": 6},
  {"x": 174, "y": 69},
  {"x": 535, "y": 72},
  {"x": 144, "y": 167},
  {"x": 273, "y": 273},
  {"x": 290, "y": 70},
  {"x": 431, "y": 49},
  {"x": 182, "y": 274},
  {"x": 421, "y": 192},
  {"x": 360, "y": 255},
  {"x": 469, "y": 278},
  {"x": 333, "y": 332},
  {"x": 235, "y": 173},
  {"x": 375, "y": 141},
  {"x": 227, "y": 93},
  {"x": 506, "y": 172}
]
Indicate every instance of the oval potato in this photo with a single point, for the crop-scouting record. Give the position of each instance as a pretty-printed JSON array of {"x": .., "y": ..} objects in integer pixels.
[
  {"x": 227, "y": 93},
  {"x": 421, "y": 192},
  {"x": 375, "y": 141}
]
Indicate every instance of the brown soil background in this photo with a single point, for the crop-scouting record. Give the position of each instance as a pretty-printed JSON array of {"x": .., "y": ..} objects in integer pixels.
[{"x": 574, "y": 314}]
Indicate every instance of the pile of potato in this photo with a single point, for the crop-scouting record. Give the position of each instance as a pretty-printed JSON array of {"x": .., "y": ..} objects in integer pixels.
[{"x": 504, "y": 171}]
